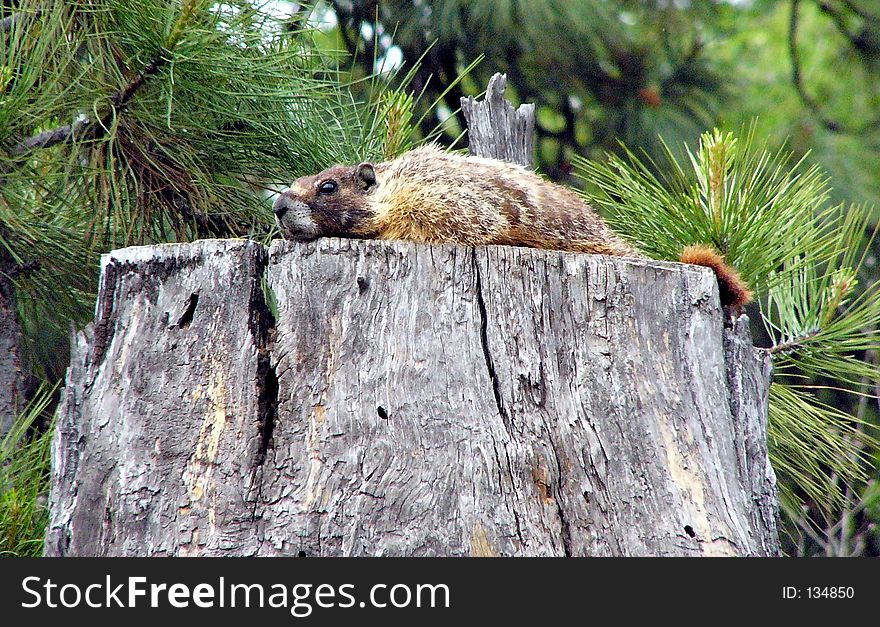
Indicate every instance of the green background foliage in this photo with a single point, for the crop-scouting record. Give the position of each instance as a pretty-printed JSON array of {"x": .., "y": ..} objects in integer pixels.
[{"x": 126, "y": 122}]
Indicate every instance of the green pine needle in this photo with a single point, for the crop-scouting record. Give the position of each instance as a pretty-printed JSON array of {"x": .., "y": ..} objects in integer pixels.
[
  {"x": 756, "y": 207},
  {"x": 769, "y": 216},
  {"x": 820, "y": 323},
  {"x": 24, "y": 481},
  {"x": 838, "y": 454},
  {"x": 239, "y": 104}
]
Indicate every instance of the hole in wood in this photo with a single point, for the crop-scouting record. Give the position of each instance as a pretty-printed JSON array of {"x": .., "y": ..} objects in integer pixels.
[
  {"x": 301, "y": 554},
  {"x": 382, "y": 413},
  {"x": 690, "y": 531},
  {"x": 363, "y": 284},
  {"x": 187, "y": 316}
]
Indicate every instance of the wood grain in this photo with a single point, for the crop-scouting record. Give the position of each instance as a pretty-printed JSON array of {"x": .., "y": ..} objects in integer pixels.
[{"x": 410, "y": 400}]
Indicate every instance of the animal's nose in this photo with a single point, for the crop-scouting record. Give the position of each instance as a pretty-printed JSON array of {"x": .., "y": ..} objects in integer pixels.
[{"x": 282, "y": 205}]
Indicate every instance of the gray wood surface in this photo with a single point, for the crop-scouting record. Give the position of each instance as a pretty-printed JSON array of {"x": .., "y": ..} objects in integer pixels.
[
  {"x": 159, "y": 429},
  {"x": 409, "y": 400},
  {"x": 496, "y": 129},
  {"x": 12, "y": 399}
]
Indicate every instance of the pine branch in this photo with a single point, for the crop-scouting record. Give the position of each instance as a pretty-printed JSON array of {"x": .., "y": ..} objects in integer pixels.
[
  {"x": 85, "y": 128},
  {"x": 858, "y": 10},
  {"x": 344, "y": 17},
  {"x": 8, "y": 22},
  {"x": 795, "y": 343},
  {"x": 838, "y": 18},
  {"x": 89, "y": 129},
  {"x": 59, "y": 135},
  {"x": 829, "y": 123}
]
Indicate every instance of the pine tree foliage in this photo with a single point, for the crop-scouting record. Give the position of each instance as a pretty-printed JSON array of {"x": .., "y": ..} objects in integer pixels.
[
  {"x": 147, "y": 121},
  {"x": 126, "y": 122},
  {"x": 802, "y": 256},
  {"x": 140, "y": 121},
  {"x": 817, "y": 318},
  {"x": 737, "y": 196},
  {"x": 596, "y": 70},
  {"x": 24, "y": 481}
]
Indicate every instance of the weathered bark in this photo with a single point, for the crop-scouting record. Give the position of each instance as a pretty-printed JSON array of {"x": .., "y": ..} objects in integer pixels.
[
  {"x": 748, "y": 376},
  {"x": 159, "y": 427},
  {"x": 409, "y": 400},
  {"x": 496, "y": 129},
  {"x": 11, "y": 377}
]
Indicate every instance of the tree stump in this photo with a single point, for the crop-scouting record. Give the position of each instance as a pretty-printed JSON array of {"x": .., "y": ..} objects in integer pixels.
[{"x": 409, "y": 400}]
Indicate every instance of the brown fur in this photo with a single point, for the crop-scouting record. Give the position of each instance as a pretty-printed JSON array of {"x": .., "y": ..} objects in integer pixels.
[
  {"x": 732, "y": 290},
  {"x": 427, "y": 195}
]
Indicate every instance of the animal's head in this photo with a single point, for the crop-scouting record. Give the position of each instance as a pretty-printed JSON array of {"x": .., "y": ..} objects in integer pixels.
[{"x": 331, "y": 203}]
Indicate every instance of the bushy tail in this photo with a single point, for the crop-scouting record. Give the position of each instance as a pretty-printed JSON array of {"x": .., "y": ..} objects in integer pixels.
[{"x": 733, "y": 290}]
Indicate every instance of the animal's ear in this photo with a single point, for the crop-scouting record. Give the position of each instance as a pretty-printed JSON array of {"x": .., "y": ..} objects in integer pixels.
[{"x": 366, "y": 176}]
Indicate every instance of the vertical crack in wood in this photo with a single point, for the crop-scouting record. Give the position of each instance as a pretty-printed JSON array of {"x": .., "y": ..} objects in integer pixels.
[
  {"x": 564, "y": 526},
  {"x": 262, "y": 327},
  {"x": 484, "y": 340},
  {"x": 748, "y": 383},
  {"x": 105, "y": 318},
  {"x": 267, "y": 403}
]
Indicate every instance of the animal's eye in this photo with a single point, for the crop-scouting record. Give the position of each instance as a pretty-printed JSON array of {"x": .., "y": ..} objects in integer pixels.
[{"x": 327, "y": 187}]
